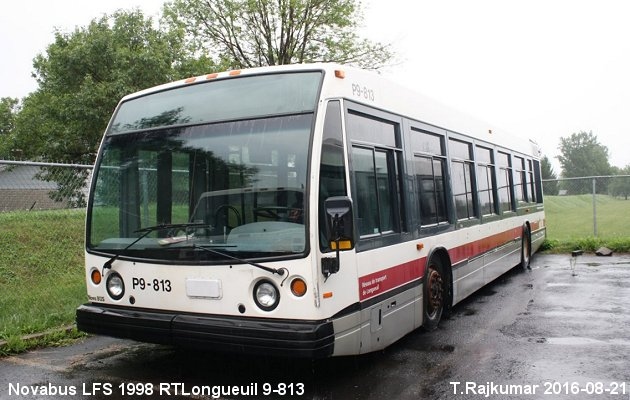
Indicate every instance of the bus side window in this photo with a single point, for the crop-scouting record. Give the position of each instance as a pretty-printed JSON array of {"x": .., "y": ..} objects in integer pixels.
[
  {"x": 378, "y": 199},
  {"x": 538, "y": 182},
  {"x": 462, "y": 180},
  {"x": 504, "y": 183},
  {"x": 431, "y": 179},
  {"x": 486, "y": 181},
  {"x": 374, "y": 197}
]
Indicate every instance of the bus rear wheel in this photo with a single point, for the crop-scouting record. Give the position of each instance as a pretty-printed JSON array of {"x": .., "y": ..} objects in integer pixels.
[
  {"x": 433, "y": 294},
  {"x": 526, "y": 248}
]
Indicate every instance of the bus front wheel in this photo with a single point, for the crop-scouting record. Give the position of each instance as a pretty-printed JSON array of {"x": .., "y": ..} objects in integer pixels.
[{"x": 434, "y": 294}]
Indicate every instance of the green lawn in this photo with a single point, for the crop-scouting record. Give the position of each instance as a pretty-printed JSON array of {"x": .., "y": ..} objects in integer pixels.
[
  {"x": 41, "y": 271},
  {"x": 570, "y": 222}
]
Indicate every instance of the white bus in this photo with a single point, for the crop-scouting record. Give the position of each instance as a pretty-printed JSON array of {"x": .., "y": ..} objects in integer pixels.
[{"x": 306, "y": 210}]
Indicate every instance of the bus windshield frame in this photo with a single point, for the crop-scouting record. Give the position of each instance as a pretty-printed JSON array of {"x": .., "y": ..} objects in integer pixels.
[{"x": 239, "y": 180}]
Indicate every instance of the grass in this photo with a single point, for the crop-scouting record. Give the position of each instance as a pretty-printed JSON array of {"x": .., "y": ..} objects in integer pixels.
[
  {"x": 41, "y": 275},
  {"x": 570, "y": 223}
]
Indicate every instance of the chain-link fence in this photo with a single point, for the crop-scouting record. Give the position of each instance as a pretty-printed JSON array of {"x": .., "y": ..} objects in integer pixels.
[
  {"x": 26, "y": 185},
  {"x": 575, "y": 207},
  {"x": 596, "y": 206}
]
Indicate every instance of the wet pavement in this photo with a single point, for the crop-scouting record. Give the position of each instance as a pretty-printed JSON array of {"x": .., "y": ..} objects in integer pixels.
[{"x": 549, "y": 333}]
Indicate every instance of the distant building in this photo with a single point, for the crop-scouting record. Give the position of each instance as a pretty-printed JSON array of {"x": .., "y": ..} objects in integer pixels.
[{"x": 21, "y": 190}]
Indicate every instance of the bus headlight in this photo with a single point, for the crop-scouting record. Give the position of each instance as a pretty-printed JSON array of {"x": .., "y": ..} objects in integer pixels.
[
  {"x": 266, "y": 295},
  {"x": 115, "y": 286}
]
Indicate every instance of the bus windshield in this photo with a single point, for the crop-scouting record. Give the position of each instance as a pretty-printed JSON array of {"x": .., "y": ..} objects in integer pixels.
[{"x": 237, "y": 186}]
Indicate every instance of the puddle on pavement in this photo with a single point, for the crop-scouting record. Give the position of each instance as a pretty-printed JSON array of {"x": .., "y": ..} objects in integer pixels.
[
  {"x": 554, "y": 284},
  {"x": 581, "y": 341}
]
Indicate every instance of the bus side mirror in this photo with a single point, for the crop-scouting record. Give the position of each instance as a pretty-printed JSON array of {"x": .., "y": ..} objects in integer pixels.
[{"x": 340, "y": 228}]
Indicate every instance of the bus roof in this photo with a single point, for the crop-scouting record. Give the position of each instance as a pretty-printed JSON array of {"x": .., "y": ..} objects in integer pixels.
[{"x": 375, "y": 90}]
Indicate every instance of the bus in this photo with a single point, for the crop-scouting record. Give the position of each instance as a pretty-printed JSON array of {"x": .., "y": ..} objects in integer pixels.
[{"x": 311, "y": 210}]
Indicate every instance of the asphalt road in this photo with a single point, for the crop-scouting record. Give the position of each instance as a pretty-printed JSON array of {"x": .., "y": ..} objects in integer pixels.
[{"x": 548, "y": 333}]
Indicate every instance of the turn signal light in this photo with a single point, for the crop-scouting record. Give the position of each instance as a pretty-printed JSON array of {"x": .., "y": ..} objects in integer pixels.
[
  {"x": 96, "y": 277},
  {"x": 298, "y": 287},
  {"x": 343, "y": 245}
]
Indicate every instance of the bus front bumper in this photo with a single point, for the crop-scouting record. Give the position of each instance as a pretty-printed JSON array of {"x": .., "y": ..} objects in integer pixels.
[{"x": 286, "y": 338}]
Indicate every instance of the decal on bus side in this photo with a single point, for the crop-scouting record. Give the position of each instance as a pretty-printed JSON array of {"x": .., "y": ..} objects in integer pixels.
[{"x": 390, "y": 278}]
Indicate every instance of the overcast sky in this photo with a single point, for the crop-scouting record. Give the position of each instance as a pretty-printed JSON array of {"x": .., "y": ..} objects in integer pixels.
[{"x": 540, "y": 69}]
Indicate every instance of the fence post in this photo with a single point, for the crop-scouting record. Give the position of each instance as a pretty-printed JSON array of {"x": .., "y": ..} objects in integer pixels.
[{"x": 594, "y": 206}]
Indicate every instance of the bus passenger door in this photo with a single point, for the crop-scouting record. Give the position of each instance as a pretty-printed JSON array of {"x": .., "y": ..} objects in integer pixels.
[{"x": 336, "y": 269}]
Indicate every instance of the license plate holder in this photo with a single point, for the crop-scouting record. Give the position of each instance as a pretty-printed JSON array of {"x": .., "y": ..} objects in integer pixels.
[{"x": 204, "y": 288}]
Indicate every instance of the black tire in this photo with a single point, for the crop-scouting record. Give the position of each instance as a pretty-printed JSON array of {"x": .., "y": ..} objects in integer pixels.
[
  {"x": 434, "y": 294},
  {"x": 526, "y": 248}
]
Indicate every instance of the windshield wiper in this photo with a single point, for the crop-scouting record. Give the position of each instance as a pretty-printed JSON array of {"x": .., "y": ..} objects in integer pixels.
[
  {"x": 278, "y": 271},
  {"x": 145, "y": 232}
]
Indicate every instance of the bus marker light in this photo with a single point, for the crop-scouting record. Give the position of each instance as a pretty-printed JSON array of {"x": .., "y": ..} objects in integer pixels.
[
  {"x": 298, "y": 287},
  {"x": 212, "y": 76},
  {"x": 96, "y": 276},
  {"x": 419, "y": 246},
  {"x": 327, "y": 295},
  {"x": 339, "y": 73},
  {"x": 235, "y": 72},
  {"x": 343, "y": 245},
  {"x": 190, "y": 80}
]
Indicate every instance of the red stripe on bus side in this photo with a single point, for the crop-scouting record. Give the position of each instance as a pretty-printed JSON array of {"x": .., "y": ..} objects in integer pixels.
[
  {"x": 535, "y": 225},
  {"x": 472, "y": 249},
  {"x": 379, "y": 282}
]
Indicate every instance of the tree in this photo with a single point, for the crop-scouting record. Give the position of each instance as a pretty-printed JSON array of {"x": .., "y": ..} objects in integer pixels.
[
  {"x": 82, "y": 76},
  {"x": 582, "y": 155},
  {"x": 620, "y": 185},
  {"x": 250, "y": 33},
  {"x": 547, "y": 172},
  {"x": 9, "y": 107}
]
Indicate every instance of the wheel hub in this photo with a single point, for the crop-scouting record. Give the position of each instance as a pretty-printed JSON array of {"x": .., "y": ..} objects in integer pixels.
[{"x": 435, "y": 290}]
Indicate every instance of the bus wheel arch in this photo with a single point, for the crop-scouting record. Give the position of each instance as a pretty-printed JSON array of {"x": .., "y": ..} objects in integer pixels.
[
  {"x": 437, "y": 289},
  {"x": 526, "y": 246}
]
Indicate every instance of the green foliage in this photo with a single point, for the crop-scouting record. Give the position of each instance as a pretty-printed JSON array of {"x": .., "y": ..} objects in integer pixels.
[
  {"x": 588, "y": 244},
  {"x": 9, "y": 107},
  {"x": 250, "y": 33},
  {"x": 620, "y": 186},
  {"x": 581, "y": 155},
  {"x": 549, "y": 245},
  {"x": 547, "y": 172},
  {"x": 52, "y": 338},
  {"x": 84, "y": 74}
]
